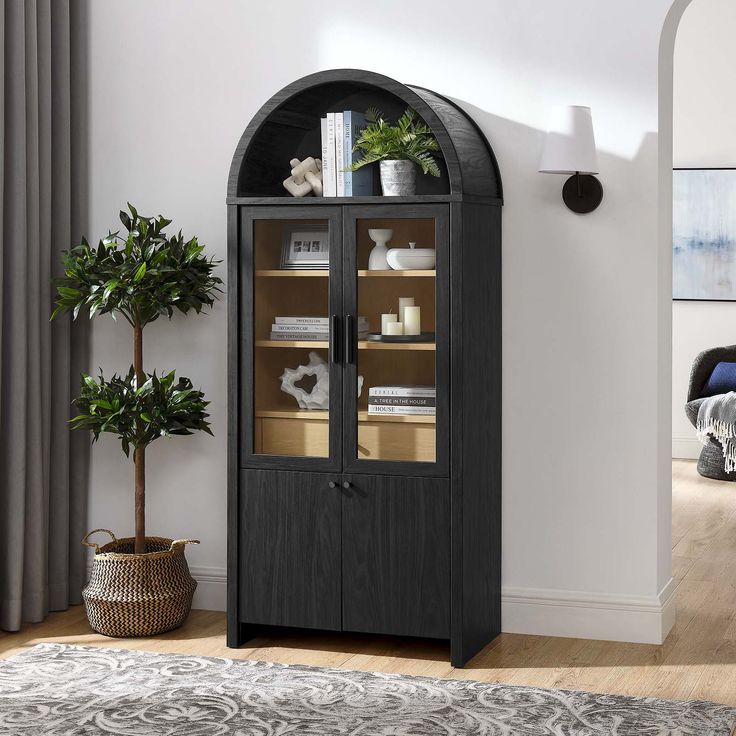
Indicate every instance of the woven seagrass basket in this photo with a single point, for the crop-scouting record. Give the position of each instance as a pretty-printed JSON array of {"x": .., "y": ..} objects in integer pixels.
[{"x": 138, "y": 595}]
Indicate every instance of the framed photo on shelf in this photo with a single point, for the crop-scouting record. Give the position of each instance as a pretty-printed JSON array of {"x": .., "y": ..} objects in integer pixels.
[{"x": 305, "y": 246}]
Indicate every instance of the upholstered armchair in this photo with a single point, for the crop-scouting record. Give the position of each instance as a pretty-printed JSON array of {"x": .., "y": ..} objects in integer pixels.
[{"x": 710, "y": 464}]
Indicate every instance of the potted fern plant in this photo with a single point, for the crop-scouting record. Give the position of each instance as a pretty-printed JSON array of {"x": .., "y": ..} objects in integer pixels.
[
  {"x": 141, "y": 585},
  {"x": 399, "y": 148}
]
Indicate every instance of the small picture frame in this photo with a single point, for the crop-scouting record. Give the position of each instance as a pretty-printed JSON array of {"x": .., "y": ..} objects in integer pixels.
[{"x": 305, "y": 246}]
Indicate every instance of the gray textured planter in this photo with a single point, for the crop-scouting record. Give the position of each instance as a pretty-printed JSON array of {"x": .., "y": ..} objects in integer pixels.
[{"x": 398, "y": 178}]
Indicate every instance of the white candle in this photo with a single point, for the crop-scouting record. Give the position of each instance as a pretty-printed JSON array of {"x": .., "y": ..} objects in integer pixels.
[
  {"x": 404, "y": 301},
  {"x": 394, "y": 328},
  {"x": 387, "y": 319},
  {"x": 412, "y": 320}
]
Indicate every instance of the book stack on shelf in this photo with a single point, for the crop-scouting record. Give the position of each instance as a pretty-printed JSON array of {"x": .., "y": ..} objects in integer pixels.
[
  {"x": 308, "y": 328},
  {"x": 340, "y": 131},
  {"x": 406, "y": 400}
]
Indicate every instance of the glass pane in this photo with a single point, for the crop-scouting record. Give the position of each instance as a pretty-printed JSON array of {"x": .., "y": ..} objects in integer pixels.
[
  {"x": 291, "y": 330},
  {"x": 396, "y": 344}
]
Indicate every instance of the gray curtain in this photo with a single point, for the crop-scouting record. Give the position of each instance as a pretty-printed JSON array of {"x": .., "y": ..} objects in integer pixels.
[{"x": 43, "y": 467}]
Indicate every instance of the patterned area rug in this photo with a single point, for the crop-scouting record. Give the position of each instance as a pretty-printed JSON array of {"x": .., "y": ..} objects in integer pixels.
[{"x": 62, "y": 690}]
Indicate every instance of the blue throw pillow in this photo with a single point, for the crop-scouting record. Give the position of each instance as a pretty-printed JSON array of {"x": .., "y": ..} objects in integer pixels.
[{"x": 721, "y": 381}]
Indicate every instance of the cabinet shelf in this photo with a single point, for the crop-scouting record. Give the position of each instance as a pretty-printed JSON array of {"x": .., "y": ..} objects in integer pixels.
[
  {"x": 363, "y": 416},
  {"x": 429, "y": 273},
  {"x": 301, "y": 273}
]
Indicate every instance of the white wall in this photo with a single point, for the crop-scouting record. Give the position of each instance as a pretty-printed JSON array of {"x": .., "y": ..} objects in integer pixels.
[
  {"x": 704, "y": 123},
  {"x": 585, "y": 505}
]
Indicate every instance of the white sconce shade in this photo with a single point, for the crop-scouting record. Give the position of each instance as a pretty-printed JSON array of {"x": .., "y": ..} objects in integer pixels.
[{"x": 570, "y": 144}]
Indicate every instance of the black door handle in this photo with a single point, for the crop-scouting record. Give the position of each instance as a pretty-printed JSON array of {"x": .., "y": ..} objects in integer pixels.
[
  {"x": 349, "y": 338},
  {"x": 334, "y": 339}
]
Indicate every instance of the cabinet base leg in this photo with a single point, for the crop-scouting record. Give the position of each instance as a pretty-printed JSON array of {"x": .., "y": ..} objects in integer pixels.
[{"x": 239, "y": 633}]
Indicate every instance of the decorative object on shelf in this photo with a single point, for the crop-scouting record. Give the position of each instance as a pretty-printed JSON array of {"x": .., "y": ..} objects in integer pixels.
[
  {"x": 411, "y": 258},
  {"x": 319, "y": 397},
  {"x": 412, "y": 320},
  {"x": 404, "y": 301},
  {"x": 140, "y": 276},
  {"x": 399, "y": 148},
  {"x": 377, "y": 258},
  {"x": 399, "y": 336},
  {"x": 704, "y": 234},
  {"x": 393, "y": 328},
  {"x": 386, "y": 319},
  {"x": 569, "y": 148},
  {"x": 305, "y": 246},
  {"x": 306, "y": 177}
]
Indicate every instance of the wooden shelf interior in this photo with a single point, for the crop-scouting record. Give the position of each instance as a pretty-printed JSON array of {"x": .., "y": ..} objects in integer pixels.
[
  {"x": 292, "y": 129},
  {"x": 280, "y": 427},
  {"x": 406, "y": 229}
]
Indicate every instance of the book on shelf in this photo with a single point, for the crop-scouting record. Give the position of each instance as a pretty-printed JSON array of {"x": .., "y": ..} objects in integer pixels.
[
  {"x": 317, "y": 322},
  {"x": 316, "y": 336},
  {"x": 357, "y": 183},
  {"x": 339, "y": 132},
  {"x": 339, "y": 154},
  {"x": 402, "y": 390},
  {"x": 401, "y": 400},
  {"x": 329, "y": 178},
  {"x": 320, "y": 328},
  {"x": 301, "y": 320},
  {"x": 418, "y": 411}
]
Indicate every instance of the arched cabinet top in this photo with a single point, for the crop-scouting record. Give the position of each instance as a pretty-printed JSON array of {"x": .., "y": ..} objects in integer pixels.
[{"x": 288, "y": 126}]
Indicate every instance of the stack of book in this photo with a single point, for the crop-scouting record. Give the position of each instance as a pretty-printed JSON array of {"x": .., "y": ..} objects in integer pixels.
[
  {"x": 308, "y": 328},
  {"x": 340, "y": 131},
  {"x": 407, "y": 400}
]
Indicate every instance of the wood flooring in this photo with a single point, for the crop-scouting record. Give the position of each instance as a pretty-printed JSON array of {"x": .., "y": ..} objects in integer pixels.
[{"x": 698, "y": 660}]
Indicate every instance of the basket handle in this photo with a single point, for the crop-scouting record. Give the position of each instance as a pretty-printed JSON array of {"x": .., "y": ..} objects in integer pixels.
[
  {"x": 177, "y": 543},
  {"x": 96, "y": 547}
]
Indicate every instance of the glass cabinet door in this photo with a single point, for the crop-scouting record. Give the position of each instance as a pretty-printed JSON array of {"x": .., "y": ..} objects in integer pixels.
[
  {"x": 291, "y": 320},
  {"x": 397, "y": 338}
]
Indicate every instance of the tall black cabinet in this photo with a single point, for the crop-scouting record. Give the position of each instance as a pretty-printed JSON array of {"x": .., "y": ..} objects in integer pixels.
[{"x": 340, "y": 518}]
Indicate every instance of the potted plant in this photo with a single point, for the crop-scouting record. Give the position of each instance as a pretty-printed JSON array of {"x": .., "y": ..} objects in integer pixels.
[
  {"x": 399, "y": 148},
  {"x": 139, "y": 585}
]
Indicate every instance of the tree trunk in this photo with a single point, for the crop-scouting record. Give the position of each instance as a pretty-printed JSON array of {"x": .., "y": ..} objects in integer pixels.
[
  {"x": 139, "y": 458},
  {"x": 139, "y": 454}
]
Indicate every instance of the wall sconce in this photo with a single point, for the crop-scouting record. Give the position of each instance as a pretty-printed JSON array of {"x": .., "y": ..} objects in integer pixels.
[{"x": 570, "y": 149}]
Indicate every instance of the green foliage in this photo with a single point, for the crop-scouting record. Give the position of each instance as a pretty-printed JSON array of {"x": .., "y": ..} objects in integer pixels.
[
  {"x": 410, "y": 139},
  {"x": 140, "y": 275},
  {"x": 159, "y": 408}
]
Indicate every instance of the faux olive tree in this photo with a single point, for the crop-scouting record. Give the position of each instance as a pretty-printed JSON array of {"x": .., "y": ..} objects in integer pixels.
[{"x": 140, "y": 276}]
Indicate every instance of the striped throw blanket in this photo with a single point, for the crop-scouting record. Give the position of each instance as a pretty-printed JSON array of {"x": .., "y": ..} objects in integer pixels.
[{"x": 717, "y": 419}]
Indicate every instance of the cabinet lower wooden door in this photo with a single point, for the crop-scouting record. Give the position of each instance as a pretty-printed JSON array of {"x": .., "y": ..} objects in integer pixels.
[
  {"x": 396, "y": 555},
  {"x": 290, "y": 549}
]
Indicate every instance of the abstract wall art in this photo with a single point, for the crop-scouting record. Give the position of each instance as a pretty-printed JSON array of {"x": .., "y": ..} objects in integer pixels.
[{"x": 704, "y": 234}]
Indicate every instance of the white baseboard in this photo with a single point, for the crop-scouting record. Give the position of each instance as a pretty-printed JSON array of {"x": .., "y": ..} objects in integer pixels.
[
  {"x": 211, "y": 593},
  {"x": 686, "y": 448},
  {"x": 642, "y": 620},
  {"x": 531, "y": 611}
]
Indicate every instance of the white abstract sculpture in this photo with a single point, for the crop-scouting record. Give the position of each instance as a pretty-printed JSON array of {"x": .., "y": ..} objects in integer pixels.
[
  {"x": 319, "y": 396},
  {"x": 306, "y": 177}
]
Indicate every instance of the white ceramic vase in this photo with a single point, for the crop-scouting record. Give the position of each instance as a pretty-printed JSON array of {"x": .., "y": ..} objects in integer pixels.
[{"x": 377, "y": 258}]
